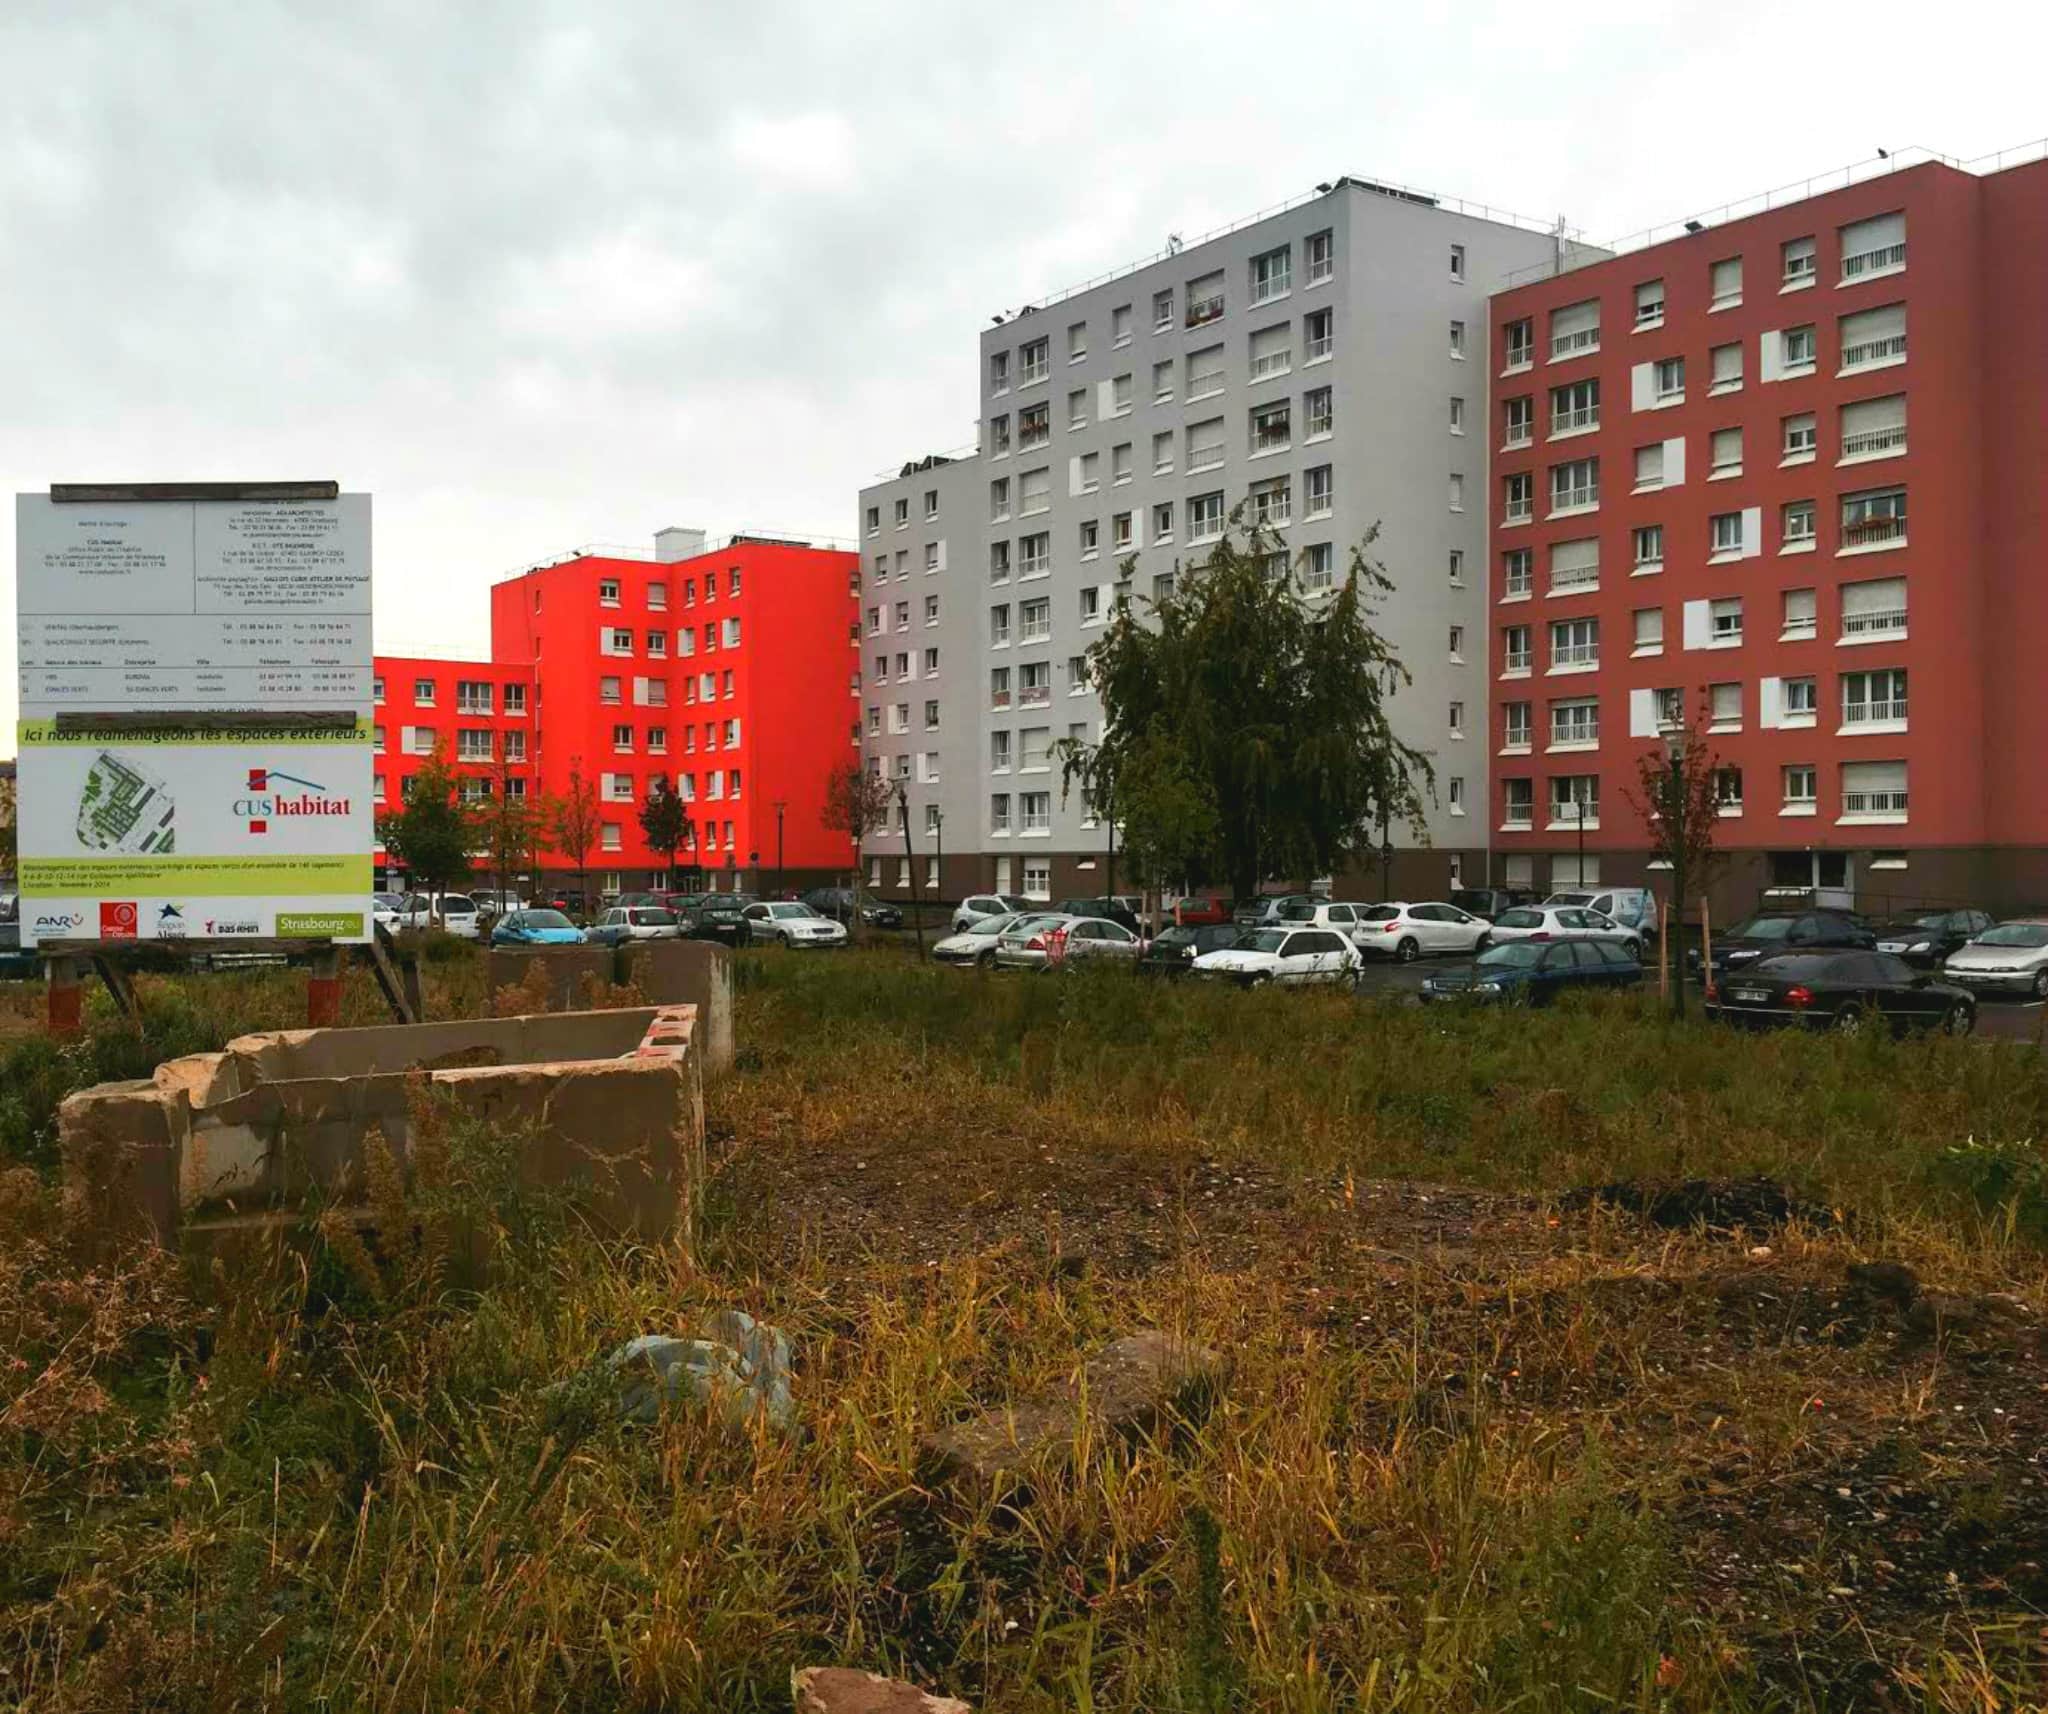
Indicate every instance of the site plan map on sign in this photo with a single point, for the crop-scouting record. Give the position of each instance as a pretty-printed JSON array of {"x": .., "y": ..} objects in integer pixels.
[{"x": 124, "y": 807}]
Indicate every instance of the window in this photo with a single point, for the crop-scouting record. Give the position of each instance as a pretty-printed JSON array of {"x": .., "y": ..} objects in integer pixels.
[
  {"x": 1725, "y": 373},
  {"x": 1457, "y": 642},
  {"x": 1517, "y": 574},
  {"x": 1518, "y": 344},
  {"x": 1457, "y": 339},
  {"x": 1319, "y": 566},
  {"x": 657, "y": 643},
  {"x": 1077, "y": 408},
  {"x": 999, "y": 625},
  {"x": 902, "y": 618},
  {"x": 1574, "y": 565},
  {"x": 622, "y": 739},
  {"x": 1575, "y": 329},
  {"x": 472, "y": 696},
  {"x": 608, "y": 689},
  {"x": 1725, "y": 458},
  {"x": 1037, "y": 878},
  {"x": 1649, "y": 467},
  {"x": 931, "y": 609},
  {"x": 1162, "y": 311},
  {"x": 1724, "y": 534},
  {"x": 1456, "y": 568},
  {"x": 1035, "y": 746},
  {"x": 1034, "y": 619},
  {"x": 1318, "y": 339},
  {"x": 1205, "y": 372},
  {"x": 1077, "y": 675},
  {"x": 999, "y": 435},
  {"x": 1515, "y": 649},
  {"x": 1874, "y": 611},
  {"x": 1799, "y": 789},
  {"x": 1205, "y": 300},
  {"x": 472, "y": 745},
  {"x": 1724, "y": 707},
  {"x": 1162, "y": 521},
  {"x": 875, "y": 518},
  {"x": 1518, "y": 498},
  {"x": 608, "y": 592},
  {"x": 1091, "y": 472},
  {"x": 999, "y": 499},
  {"x": 1036, "y": 808},
  {"x": 1726, "y": 283},
  {"x": 515, "y": 699},
  {"x": 1205, "y": 444},
  {"x": 1575, "y": 486},
  {"x": 1728, "y": 790},
  {"x": 1271, "y": 503},
  {"x": 1874, "y": 698},
  {"x": 1875, "y": 518},
  {"x": 1120, "y": 325},
  {"x": 1796, "y": 350},
  {"x": 1318, "y": 491},
  {"x": 1668, "y": 708},
  {"x": 1873, "y": 791},
  {"x": 1091, "y": 605},
  {"x": 1668, "y": 378},
  {"x": 1120, "y": 537},
  {"x": 1034, "y": 361},
  {"x": 902, "y": 522},
  {"x": 1162, "y": 381},
  {"x": 1517, "y": 803},
  {"x": 1034, "y": 426},
  {"x": 1800, "y": 438},
  {"x": 999, "y": 562},
  {"x": 1649, "y": 548},
  {"x": 1725, "y": 622},
  {"x": 1271, "y": 430},
  {"x": 1801, "y": 615},
  {"x": 1649, "y": 631},
  {"x": 1319, "y": 257},
  {"x": 1650, "y": 304},
  {"x": 1205, "y": 517},
  {"x": 423, "y": 692},
  {"x": 999, "y": 372},
  {"x": 1797, "y": 263},
  {"x": 1457, "y": 492},
  {"x": 1872, "y": 247},
  {"x": 1575, "y": 407},
  {"x": 1514, "y": 724},
  {"x": 1575, "y": 725},
  {"x": 1091, "y": 535},
  {"x": 931, "y": 716},
  {"x": 1272, "y": 274},
  {"x": 1317, "y": 413},
  {"x": 1574, "y": 800},
  {"x": 1034, "y": 491},
  {"x": 998, "y": 812},
  {"x": 1874, "y": 338},
  {"x": 1874, "y": 428},
  {"x": 1272, "y": 351},
  {"x": 1518, "y": 422},
  {"x": 1801, "y": 701},
  {"x": 1574, "y": 644}
]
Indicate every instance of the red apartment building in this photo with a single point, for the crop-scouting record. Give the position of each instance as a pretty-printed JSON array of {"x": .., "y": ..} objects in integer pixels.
[
  {"x": 1784, "y": 474},
  {"x": 726, "y": 674}
]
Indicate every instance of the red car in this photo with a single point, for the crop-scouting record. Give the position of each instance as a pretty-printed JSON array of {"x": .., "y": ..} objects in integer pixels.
[{"x": 1194, "y": 910}]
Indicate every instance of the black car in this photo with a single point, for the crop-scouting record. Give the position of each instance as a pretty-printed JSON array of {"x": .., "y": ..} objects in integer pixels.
[
  {"x": 1489, "y": 902},
  {"x": 839, "y": 904},
  {"x": 716, "y": 917},
  {"x": 1926, "y": 938},
  {"x": 1840, "y": 991},
  {"x": 1533, "y": 973},
  {"x": 1113, "y": 909},
  {"x": 1173, "y": 950},
  {"x": 1783, "y": 931}
]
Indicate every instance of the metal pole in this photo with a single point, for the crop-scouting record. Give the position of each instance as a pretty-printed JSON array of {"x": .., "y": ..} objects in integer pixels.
[
  {"x": 939, "y": 840},
  {"x": 1674, "y": 823},
  {"x": 1581, "y": 819},
  {"x": 781, "y": 804},
  {"x": 910, "y": 857}
]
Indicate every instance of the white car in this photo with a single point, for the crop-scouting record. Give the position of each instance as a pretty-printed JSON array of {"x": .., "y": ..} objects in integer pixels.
[
  {"x": 1345, "y": 919},
  {"x": 976, "y": 943},
  {"x": 791, "y": 924},
  {"x": 1563, "y": 922},
  {"x": 1409, "y": 932},
  {"x": 636, "y": 922},
  {"x": 984, "y": 907},
  {"x": 1634, "y": 908},
  {"x": 1293, "y": 956},
  {"x": 455, "y": 912},
  {"x": 2011, "y": 958}
]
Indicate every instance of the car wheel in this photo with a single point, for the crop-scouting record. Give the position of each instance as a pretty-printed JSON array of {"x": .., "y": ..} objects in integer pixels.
[
  {"x": 1634, "y": 948},
  {"x": 1355, "y": 980},
  {"x": 987, "y": 960},
  {"x": 1408, "y": 952},
  {"x": 2041, "y": 984},
  {"x": 1482, "y": 943},
  {"x": 1849, "y": 1020},
  {"x": 1960, "y": 1019}
]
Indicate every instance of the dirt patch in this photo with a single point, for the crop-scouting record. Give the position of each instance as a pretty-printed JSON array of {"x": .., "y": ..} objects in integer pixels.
[{"x": 1755, "y": 1205}]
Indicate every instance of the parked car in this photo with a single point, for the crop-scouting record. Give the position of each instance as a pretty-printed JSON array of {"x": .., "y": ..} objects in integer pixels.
[
  {"x": 1054, "y": 939},
  {"x": 636, "y": 922},
  {"x": 976, "y": 943},
  {"x": 14, "y": 961},
  {"x": 1532, "y": 973},
  {"x": 838, "y": 903},
  {"x": 1489, "y": 902},
  {"x": 385, "y": 910},
  {"x": 455, "y": 912},
  {"x": 1111, "y": 910},
  {"x": 1840, "y": 990},
  {"x": 1409, "y": 932},
  {"x": 496, "y": 903},
  {"x": 1561, "y": 922},
  {"x": 1198, "y": 909},
  {"x": 1782, "y": 931},
  {"x": 1926, "y": 938},
  {"x": 535, "y": 928},
  {"x": 1632, "y": 907},
  {"x": 789, "y": 924},
  {"x": 1172, "y": 951},
  {"x": 1293, "y": 957},
  {"x": 978, "y": 907},
  {"x": 1347, "y": 920},
  {"x": 720, "y": 916},
  {"x": 1265, "y": 913},
  {"x": 2010, "y": 958}
]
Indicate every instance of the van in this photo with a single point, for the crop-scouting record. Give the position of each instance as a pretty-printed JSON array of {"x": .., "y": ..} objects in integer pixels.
[{"x": 1632, "y": 907}]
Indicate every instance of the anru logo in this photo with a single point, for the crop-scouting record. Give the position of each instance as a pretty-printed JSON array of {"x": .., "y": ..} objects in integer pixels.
[
  {"x": 269, "y": 796},
  {"x": 56, "y": 924}
]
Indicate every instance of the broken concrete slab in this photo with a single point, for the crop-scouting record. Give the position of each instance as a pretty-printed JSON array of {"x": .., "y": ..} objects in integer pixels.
[
  {"x": 611, "y": 1102},
  {"x": 665, "y": 972},
  {"x": 844, "y": 1690},
  {"x": 1128, "y": 1388}
]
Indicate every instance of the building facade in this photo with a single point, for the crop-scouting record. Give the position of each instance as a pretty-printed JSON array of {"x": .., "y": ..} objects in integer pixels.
[
  {"x": 1319, "y": 369},
  {"x": 1782, "y": 479},
  {"x": 476, "y": 715}
]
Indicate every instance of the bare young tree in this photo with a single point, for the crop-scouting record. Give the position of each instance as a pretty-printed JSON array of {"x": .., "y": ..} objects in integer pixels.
[
  {"x": 856, "y": 804},
  {"x": 573, "y": 825}
]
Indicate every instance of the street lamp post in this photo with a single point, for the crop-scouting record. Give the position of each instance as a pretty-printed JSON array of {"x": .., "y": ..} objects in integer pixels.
[
  {"x": 781, "y": 804},
  {"x": 1674, "y": 830},
  {"x": 1579, "y": 816},
  {"x": 910, "y": 860},
  {"x": 939, "y": 841}
]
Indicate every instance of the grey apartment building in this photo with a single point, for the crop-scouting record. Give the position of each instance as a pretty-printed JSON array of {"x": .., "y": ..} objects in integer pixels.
[{"x": 1324, "y": 367}]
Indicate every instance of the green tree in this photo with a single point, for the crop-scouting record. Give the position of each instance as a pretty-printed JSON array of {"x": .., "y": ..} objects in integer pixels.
[
  {"x": 1245, "y": 731},
  {"x": 571, "y": 824},
  {"x": 665, "y": 823},
  {"x": 510, "y": 828},
  {"x": 432, "y": 832}
]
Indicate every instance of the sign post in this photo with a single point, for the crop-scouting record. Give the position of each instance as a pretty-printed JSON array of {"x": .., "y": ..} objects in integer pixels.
[{"x": 195, "y": 734}]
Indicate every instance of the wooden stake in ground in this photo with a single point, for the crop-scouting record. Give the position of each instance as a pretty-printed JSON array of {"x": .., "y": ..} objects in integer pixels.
[
  {"x": 1664, "y": 952},
  {"x": 1706, "y": 947}
]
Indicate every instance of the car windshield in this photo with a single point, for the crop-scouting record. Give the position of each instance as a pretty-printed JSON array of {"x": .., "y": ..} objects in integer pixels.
[
  {"x": 791, "y": 911},
  {"x": 1466, "y": 899},
  {"x": 1261, "y": 940},
  {"x": 542, "y": 919},
  {"x": 458, "y": 904},
  {"x": 1297, "y": 913},
  {"x": 1514, "y": 955},
  {"x": 1036, "y": 920},
  {"x": 1923, "y": 919},
  {"x": 1569, "y": 899},
  {"x": 655, "y": 918},
  {"x": 1764, "y": 928},
  {"x": 1380, "y": 913},
  {"x": 2015, "y": 934},
  {"x": 1519, "y": 918},
  {"x": 992, "y": 925}
]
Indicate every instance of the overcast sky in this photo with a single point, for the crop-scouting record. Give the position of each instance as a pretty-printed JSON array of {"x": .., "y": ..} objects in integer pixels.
[{"x": 542, "y": 274}]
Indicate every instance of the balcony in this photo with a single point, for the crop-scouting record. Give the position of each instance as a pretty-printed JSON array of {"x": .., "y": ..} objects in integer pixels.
[
  {"x": 1275, "y": 285},
  {"x": 1887, "y": 805},
  {"x": 1885, "y": 259},
  {"x": 1519, "y": 434},
  {"x": 1572, "y": 344},
  {"x": 1318, "y": 349},
  {"x": 1571, "y": 581},
  {"x": 999, "y": 699},
  {"x": 1582, "y": 497},
  {"x": 1515, "y": 662},
  {"x": 1271, "y": 511},
  {"x": 1574, "y": 655},
  {"x": 1202, "y": 311},
  {"x": 1029, "y": 372},
  {"x": 1517, "y": 818},
  {"x": 1869, "y": 353},
  {"x": 1574, "y": 421},
  {"x": 1876, "y": 443},
  {"x": 1034, "y": 696},
  {"x": 1892, "y": 624},
  {"x": 1521, "y": 355},
  {"x": 1883, "y": 710},
  {"x": 1520, "y": 511},
  {"x": 1882, "y": 530}
]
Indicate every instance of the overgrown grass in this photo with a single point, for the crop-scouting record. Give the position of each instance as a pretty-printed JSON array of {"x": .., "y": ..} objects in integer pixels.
[{"x": 291, "y": 1482}]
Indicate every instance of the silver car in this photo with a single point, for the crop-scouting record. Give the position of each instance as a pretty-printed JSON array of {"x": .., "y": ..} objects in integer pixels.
[
  {"x": 984, "y": 907},
  {"x": 1559, "y": 922},
  {"x": 791, "y": 924},
  {"x": 976, "y": 943},
  {"x": 2010, "y": 959},
  {"x": 1053, "y": 941}
]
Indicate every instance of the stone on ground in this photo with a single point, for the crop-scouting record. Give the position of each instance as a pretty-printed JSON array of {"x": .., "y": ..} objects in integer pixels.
[{"x": 842, "y": 1690}]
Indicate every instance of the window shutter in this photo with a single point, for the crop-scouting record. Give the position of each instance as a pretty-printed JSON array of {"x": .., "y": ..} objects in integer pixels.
[{"x": 1880, "y": 595}]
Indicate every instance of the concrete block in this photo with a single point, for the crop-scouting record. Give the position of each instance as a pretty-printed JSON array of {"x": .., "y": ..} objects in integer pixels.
[
  {"x": 690, "y": 973},
  {"x": 843, "y": 1690}
]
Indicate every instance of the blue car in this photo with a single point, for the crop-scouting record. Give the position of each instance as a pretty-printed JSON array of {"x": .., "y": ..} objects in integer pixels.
[
  {"x": 536, "y": 928},
  {"x": 1532, "y": 973}
]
